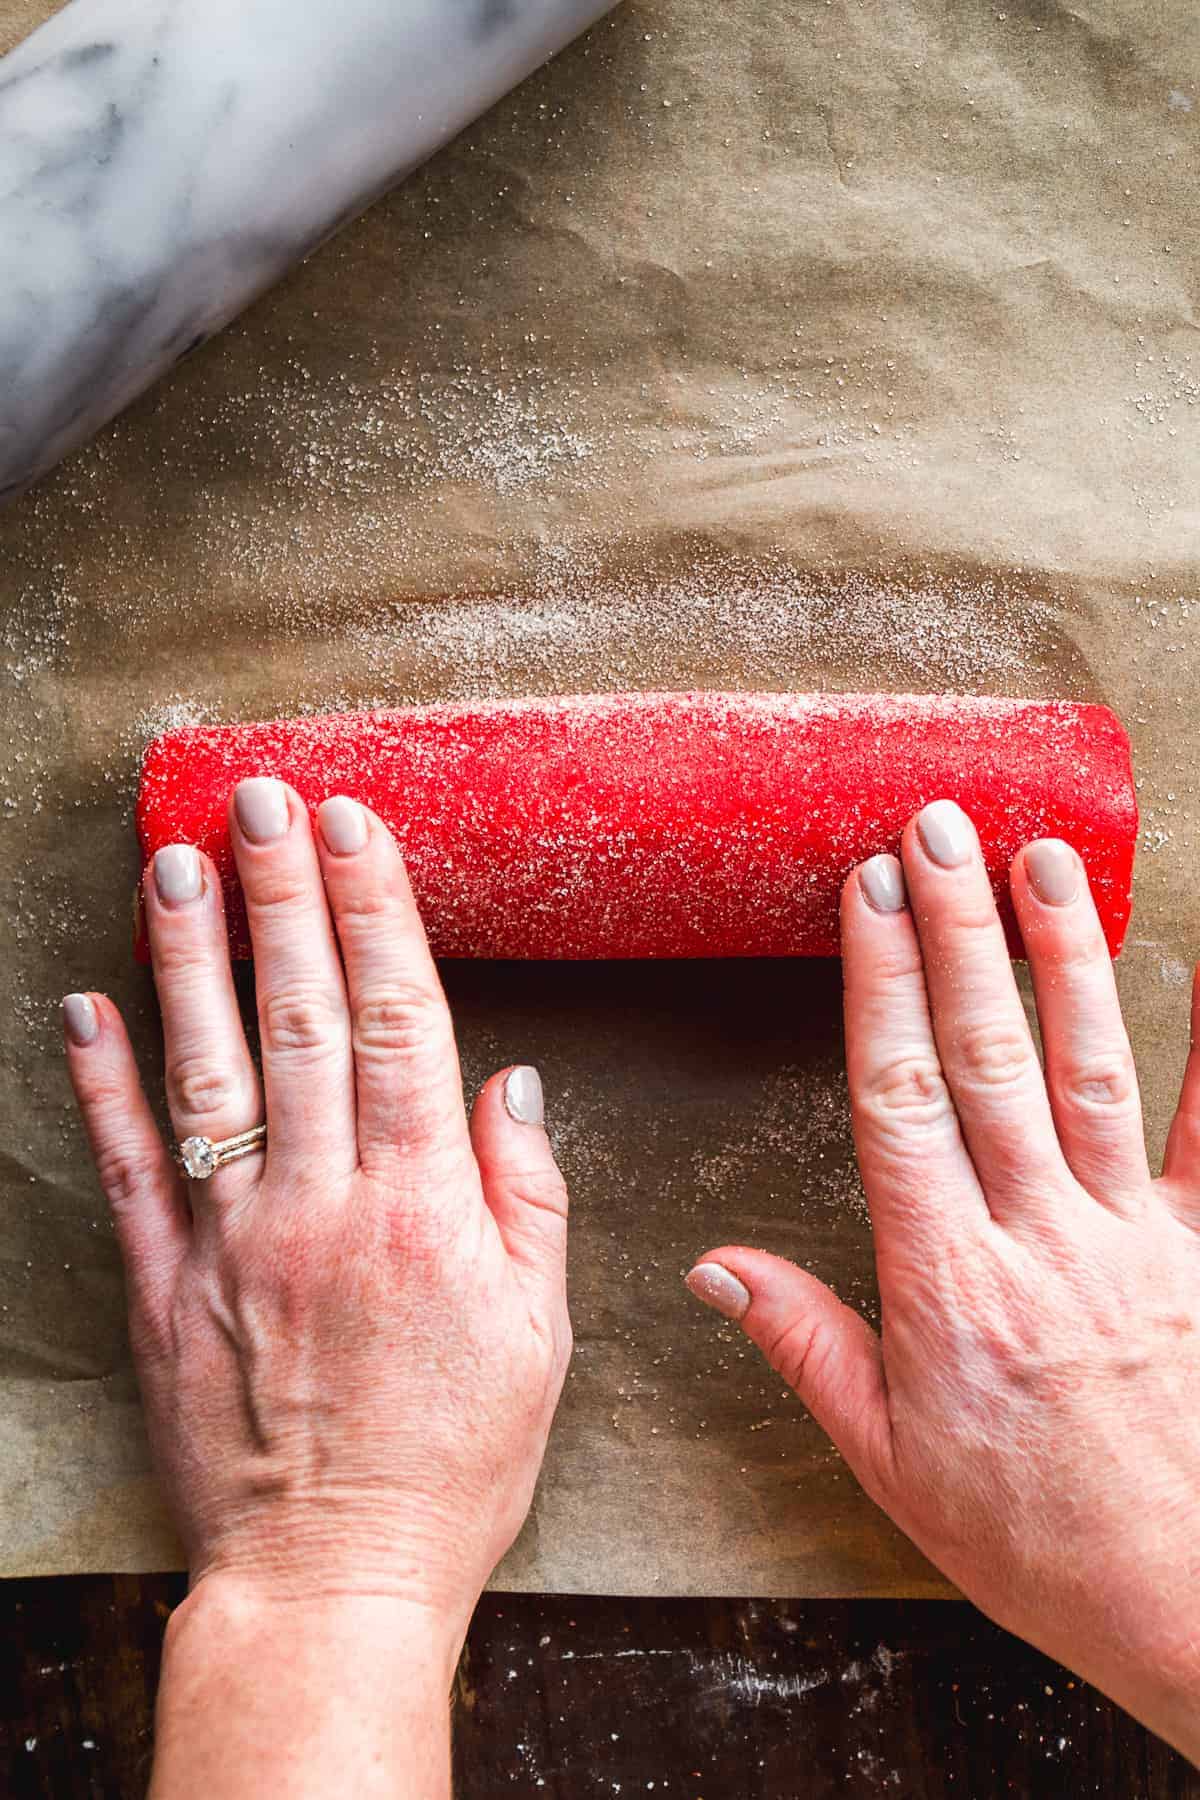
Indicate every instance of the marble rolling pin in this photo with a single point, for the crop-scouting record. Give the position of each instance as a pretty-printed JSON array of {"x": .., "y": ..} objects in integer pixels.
[
  {"x": 164, "y": 161},
  {"x": 653, "y": 825}
]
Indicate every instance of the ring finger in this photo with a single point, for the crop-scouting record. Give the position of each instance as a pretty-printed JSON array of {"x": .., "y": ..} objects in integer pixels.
[
  {"x": 212, "y": 1088},
  {"x": 1089, "y": 1065}
]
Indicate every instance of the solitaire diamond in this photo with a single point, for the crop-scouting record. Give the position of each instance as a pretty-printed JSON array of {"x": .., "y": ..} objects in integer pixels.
[{"x": 198, "y": 1157}]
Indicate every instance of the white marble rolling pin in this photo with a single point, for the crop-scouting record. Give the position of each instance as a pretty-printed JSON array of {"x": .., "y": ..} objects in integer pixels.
[{"x": 164, "y": 161}]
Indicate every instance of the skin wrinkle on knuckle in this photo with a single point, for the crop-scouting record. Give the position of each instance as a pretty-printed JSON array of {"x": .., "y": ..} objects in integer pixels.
[
  {"x": 535, "y": 1242},
  {"x": 123, "y": 1175},
  {"x": 403, "y": 1020},
  {"x": 896, "y": 968},
  {"x": 542, "y": 1190},
  {"x": 968, "y": 916},
  {"x": 363, "y": 906},
  {"x": 272, "y": 892},
  {"x": 991, "y": 1055},
  {"x": 200, "y": 1086},
  {"x": 799, "y": 1351},
  {"x": 1098, "y": 1084},
  {"x": 182, "y": 955},
  {"x": 908, "y": 1092},
  {"x": 106, "y": 1096},
  {"x": 295, "y": 1021},
  {"x": 1075, "y": 953}
]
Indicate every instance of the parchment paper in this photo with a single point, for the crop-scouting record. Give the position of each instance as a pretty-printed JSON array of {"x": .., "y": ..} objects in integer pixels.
[{"x": 796, "y": 345}]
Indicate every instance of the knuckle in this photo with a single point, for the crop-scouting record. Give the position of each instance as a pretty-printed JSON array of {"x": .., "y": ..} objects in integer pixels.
[
  {"x": 298, "y": 1020},
  {"x": 1077, "y": 954},
  {"x": 404, "y": 1019},
  {"x": 274, "y": 887},
  {"x": 199, "y": 1087},
  {"x": 970, "y": 916},
  {"x": 367, "y": 904},
  {"x": 799, "y": 1353},
  {"x": 899, "y": 965},
  {"x": 994, "y": 1054},
  {"x": 544, "y": 1190},
  {"x": 123, "y": 1174},
  {"x": 1102, "y": 1083},
  {"x": 179, "y": 951},
  {"x": 908, "y": 1091}
]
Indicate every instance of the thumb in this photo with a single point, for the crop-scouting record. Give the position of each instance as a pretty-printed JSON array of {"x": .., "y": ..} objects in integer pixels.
[
  {"x": 824, "y": 1350},
  {"x": 522, "y": 1185}
]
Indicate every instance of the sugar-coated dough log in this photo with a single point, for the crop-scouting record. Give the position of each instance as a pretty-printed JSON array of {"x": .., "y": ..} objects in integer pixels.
[{"x": 666, "y": 825}]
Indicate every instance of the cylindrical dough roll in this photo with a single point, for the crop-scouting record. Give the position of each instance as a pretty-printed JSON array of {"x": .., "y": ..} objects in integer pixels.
[{"x": 666, "y": 825}]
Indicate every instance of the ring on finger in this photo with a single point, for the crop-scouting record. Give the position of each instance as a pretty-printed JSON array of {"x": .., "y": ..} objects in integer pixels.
[{"x": 200, "y": 1157}]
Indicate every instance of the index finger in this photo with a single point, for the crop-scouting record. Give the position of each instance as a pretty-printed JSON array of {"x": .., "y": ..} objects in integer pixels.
[{"x": 983, "y": 1038}]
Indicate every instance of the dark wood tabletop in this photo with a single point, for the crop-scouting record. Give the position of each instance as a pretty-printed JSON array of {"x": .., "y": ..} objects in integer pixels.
[{"x": 566, "y": 1698}]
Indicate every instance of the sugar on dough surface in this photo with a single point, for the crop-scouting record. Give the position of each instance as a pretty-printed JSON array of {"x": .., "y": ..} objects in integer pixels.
[{"x": 666, "y": 825}]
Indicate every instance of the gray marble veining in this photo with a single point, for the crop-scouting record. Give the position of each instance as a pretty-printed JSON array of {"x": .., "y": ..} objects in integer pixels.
[{"x": 162, "y": 162}]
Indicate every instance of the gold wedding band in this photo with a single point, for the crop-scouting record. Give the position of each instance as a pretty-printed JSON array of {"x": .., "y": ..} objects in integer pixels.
[{"x": 199, "y": 1157}]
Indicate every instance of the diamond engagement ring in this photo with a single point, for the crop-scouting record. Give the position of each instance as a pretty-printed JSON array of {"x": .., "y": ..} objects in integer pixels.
[{"x": 199, "y": 1157}]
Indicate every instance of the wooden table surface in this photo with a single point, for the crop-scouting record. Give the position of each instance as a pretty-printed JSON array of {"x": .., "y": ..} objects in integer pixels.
[{"x": 566, "y": 1698}]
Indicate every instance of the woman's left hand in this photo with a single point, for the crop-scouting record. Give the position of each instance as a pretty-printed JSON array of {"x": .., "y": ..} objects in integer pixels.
[{"x": 350, "y": 1346}]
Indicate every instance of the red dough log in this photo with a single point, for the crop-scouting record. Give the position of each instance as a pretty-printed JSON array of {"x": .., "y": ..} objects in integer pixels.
[{"x": 666, "y": 825}]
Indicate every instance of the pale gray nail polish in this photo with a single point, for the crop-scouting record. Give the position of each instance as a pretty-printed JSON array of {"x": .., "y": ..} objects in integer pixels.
[
  {"x": 262, "y": 808},
  {"x": 79, "y": 1017},
  {"x": 177, "y": 874},
  {"x": 1053, "y": 870},
  {"x": 343, "y": 825},
  {"x": 883, "y": 884},
  {"x": 946, "y": 833},
  {"x": 719, "y": 1289},
  {"x": 523, "y": 1098}
]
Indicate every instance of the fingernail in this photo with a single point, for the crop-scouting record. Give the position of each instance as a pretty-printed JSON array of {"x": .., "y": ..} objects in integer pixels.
[
  {"x": 719, "y": 1289},
  {"x": 882, "y": 882},
  {"x": 177, "y": 874},
  {"x": 946, "y": 833},
  {"x": 262, "y": 809},
  {"x": 79, "y": 1017},
  {"x": 1053, "y": 870},
  {"x": 343, "y": 825},
  {"x": 523, "y": 1097}
]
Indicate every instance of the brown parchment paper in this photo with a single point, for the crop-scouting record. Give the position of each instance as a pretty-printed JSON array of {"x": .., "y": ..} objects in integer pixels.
[{"x": 813, "y": 344}]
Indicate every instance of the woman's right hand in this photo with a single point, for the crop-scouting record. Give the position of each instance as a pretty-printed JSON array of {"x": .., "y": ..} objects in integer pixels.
[{"x": 1028, "y": 1416}]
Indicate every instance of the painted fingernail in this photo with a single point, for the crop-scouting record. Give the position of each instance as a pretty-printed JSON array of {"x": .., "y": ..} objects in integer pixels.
[
  {"x": 262, "y": 809},
  {"x": 882, "y": 882},
  {"x": 946, "y": 833},
  {"x": 523, "y": 1097},
  {"x": 343, "y": 825},
  {"x": 1053, "y": 870},
  {"x": 177, "y": 876},
  {"x": 719, "y": 1289},
  {"x": 79, "y": 1017}
]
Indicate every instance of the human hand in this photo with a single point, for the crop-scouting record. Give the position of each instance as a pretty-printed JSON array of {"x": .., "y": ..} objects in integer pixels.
[
  {"x": 1027, "y": 1415},
  {"x": 349, "y": 1347}
]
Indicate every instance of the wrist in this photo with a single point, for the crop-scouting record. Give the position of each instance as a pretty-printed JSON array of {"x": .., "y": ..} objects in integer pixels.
[
  {"x": 307, "y": 1556},
  {"x": 246, "y": 1614},
  {"x": 1166, "y": 1698},
  {"x": 322, "y": 1692}
]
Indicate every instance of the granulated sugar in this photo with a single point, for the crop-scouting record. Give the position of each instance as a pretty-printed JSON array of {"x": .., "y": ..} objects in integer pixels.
[
  {"x": 579, "y": 623},
  {"x": 797, "y": 1133}
]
